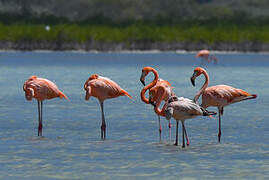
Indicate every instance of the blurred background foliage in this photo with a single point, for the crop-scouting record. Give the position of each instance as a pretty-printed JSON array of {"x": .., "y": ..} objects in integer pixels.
[{"x": 206, "y": 21}]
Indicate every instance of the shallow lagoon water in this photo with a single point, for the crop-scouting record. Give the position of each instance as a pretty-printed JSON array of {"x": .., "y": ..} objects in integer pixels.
[{"x": 72, "y": 149}]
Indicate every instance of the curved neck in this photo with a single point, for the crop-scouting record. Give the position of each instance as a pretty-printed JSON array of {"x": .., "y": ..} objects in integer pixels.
[
  {"x": 161, "y": 96},
  {"x": 203, "y": 87},
  {"x": 150, "y": 85}
]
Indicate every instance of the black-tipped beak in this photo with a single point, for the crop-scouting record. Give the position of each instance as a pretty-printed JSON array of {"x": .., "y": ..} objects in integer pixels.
[
  {"x": 142, "y": 80},
  {"x": 193, "y": 80},
  {"x": 153, "y": 103}
]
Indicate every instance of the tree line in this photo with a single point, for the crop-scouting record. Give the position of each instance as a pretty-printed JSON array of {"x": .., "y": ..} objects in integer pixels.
[{"x": 130, "y": 11}]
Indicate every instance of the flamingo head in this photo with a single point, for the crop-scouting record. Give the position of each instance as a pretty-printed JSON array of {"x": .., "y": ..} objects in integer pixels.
[
  {"x": 144, "y": 73},
  {"x": 92, "y": 77},
  {"x": 169, "y": 112},
  {"x": 29, "y": 92},
  {"x": 196, "y": 72}
]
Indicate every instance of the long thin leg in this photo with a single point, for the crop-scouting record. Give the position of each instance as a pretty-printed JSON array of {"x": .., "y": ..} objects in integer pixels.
[
  {"x": 183, "y": 132},
  {"x": 213, "y": 58},
  {"x": 176, "y": 143},
  {"x": 39, "y": 104},
  {"x": 41, "y": 117},
  {"x": 220, "y": 113},
  {"x": 160, "y": 128},
  {"x": 169, "y": 126},
  {"x": 103, "y": 126},
  {"x": 38, "y": 108}
]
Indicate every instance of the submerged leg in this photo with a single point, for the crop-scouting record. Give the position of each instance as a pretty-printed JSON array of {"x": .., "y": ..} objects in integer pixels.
[
  {"x": 103, "y": 126},
  {"x": 183, "y": 132},
  {"x": 39, "y": 104},
  {"x": 169, "y": 126},
  {"x": 220, "y": 113},
  {"x": 176, "y": 143},
  {"x": 160, "y": 128}
]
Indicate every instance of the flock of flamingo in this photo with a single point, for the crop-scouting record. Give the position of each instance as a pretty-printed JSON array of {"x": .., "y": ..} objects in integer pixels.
[{"x": 160, "y": 90}]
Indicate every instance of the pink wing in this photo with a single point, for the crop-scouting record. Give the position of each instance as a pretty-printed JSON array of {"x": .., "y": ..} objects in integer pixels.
[
  {"x": 104, "y": 88},
  {"x": 222, "y": 95},
  {"x": 42, "y": 89}
]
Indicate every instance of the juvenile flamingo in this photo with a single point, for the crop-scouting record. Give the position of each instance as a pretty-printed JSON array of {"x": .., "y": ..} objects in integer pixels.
[
  {"x": 205, "y": 55},
  {"x": 180, "y": 109},
  {"x": 41, "y": 89},
  {"x": 103, "y": 88},
  {"x": 218, "y": 96},
  {"x": 155, "y": 82}
]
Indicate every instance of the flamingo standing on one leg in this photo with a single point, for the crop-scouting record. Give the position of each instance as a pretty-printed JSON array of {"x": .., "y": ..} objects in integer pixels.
[
  {"x": 218, "y": 96},
  {"x": 103, "y": 88},
  {"x": 180, "y": 109},
  {"x": 205, "y": 55},
  {"x": 156, "y": 81},
  {"x": 41, "y": 89}
]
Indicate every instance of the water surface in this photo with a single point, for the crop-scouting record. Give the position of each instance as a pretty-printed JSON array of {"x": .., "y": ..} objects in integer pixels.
[{"x": 71, "y": 147}]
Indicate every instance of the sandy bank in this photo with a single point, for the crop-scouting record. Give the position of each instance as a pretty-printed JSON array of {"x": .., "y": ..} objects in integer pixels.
[{"x": 140, "y": 46}]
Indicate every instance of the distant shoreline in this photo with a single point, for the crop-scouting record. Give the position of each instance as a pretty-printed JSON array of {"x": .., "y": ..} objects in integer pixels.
[{"x": 91, "y": 46}]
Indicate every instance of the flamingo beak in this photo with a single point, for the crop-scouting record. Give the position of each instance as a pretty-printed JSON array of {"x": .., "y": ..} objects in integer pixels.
[
  {"x": 142, "y": 79},
  {"x": 193, "y": 81},
  {"x": 193, "y": 78},
  {"x": 88, "y": 93}
]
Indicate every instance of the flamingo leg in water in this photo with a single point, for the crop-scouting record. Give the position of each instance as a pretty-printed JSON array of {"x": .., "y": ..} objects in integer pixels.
[
  {"x": 169, "y": 126},
  {"x": 183, "y": 132},
  {"x": 188, "y": 142},
  {"x": 103, "y": 126},
  {"x": 160, "y": 128},
  {"x": 39, "y": 104},
  {"x": 220, "y": 113},
  {"x": 176, "y": 143}
]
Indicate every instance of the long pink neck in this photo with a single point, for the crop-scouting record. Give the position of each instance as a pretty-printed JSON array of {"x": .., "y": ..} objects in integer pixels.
[
  {"x": 150, "y": 85},
  {"x": 161, "y": 94},
  {"x": 203, "y": 87}
]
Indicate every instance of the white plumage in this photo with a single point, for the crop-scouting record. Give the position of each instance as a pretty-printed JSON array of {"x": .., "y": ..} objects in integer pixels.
[{"x": 181, "y": 109}]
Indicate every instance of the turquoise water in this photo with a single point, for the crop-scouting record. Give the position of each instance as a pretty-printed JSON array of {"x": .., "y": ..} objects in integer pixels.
[{"x": 72, "y": 148}]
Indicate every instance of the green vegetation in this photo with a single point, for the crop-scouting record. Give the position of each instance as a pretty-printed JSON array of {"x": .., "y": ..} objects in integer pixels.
[
  {"x": 206, "y": 22},
  {"x": 135, "y": 33}
]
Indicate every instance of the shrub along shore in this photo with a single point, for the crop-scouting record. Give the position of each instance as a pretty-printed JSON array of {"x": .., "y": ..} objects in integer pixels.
[{"x": 135, "y": 36}]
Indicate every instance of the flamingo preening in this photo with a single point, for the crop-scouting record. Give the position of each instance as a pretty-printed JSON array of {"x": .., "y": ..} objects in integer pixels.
[
  {"x": 180, "y": 109},
  {"x": 152, "y": 92},
  {"x": 41, "y": 89},
  {"x": 103, "y": 88},
  {"x": 218, "y": 96}
]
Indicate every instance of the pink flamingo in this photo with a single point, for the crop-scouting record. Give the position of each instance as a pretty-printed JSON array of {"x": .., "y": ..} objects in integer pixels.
[
  {"x": 180, "y": 109},
  {"x": 41, "y": 89},
  {"x": 152, "y": 92},
  {"x": 103, "y": 88},
  {"x": 205, "y": 55},
  {"x": 218, "y": 96}
]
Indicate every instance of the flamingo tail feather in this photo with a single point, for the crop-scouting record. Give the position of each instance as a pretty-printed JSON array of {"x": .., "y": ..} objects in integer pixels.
[
  {"x": 126, "y": 94},
  {"x": 62, "y": 95}
]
